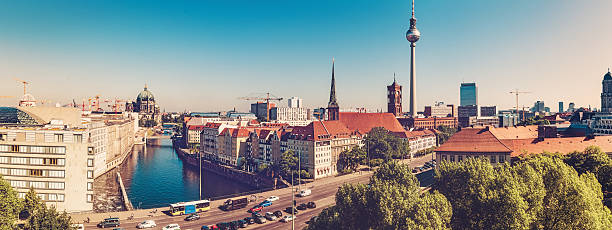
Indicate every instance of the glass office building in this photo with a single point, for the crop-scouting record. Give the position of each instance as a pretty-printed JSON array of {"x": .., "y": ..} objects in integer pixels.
[{"x": 468, "y": 94}]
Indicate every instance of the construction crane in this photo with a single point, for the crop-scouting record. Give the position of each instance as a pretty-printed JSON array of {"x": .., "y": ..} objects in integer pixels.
[
  {"x": 516, "y": 92},
  {"x": 267, "y": 99},
  {"x": 24, "y": 84}
]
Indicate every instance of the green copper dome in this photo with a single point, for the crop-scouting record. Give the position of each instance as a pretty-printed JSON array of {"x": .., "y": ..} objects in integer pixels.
[{"x": 145, "y": 95}]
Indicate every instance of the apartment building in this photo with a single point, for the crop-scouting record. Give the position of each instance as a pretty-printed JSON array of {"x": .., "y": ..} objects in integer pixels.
[{"x": 53, "y": 156}]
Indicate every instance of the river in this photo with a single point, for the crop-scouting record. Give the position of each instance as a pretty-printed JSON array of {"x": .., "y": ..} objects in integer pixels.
[{"x": 154, "y": 177}]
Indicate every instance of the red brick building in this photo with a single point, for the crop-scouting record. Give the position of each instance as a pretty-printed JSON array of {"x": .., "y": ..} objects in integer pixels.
[{"x": 427, "y": 123}]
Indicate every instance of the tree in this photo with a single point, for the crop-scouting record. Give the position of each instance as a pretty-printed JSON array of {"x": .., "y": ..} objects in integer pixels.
[
  {"x": 349, "y": 160},
  {"x": 444, "y": 133},
  {"x": 289, "y": 166},
  {"x": 382, "y": 144},
  {"x": 31, "y": 203},
  {"x": 48, "y": 219},
  {"x": 595, "y": 161},
  {"x": 10, "y": 205},
  {"x": 391, "y": 200},
  {"x": 537, "y": 193}
]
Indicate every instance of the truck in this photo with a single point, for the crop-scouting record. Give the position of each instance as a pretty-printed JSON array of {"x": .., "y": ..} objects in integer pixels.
[{"x": 236, "y": 203}]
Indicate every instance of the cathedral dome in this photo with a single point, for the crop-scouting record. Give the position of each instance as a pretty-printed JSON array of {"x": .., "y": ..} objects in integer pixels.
[
  {"x": 608, "y": 76},
  {"x": 145, "y": 95}
]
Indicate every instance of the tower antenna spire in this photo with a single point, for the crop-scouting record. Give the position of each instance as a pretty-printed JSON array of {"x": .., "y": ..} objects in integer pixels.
[
  {"x": 393, "y": 77},
  {"x": 412, "y": 8}
]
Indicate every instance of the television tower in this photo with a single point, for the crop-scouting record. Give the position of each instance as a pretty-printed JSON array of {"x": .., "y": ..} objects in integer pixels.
[{"x": 412, "y": 35}]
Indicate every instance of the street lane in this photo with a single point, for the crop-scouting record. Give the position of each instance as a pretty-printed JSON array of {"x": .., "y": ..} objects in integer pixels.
[{"x": 323, "y": 194}]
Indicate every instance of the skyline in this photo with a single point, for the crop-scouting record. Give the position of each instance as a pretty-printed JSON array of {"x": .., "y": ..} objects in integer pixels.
[{"x": 193, "y": 56}]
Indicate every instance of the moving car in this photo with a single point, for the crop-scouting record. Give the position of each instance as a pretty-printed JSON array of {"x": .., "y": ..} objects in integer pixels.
[
  {"x": 311, "y": 204},
  {"x": 265, "y": 203},
  {"x": 272, "y": 198},
  {"x": 302, "y": 206},
  {"x": 78, "y": 226},
  {"x": 233, "y": 204},
  {"x": 172, "y": 227},
  {"x": 288, "y": 218},
  {"x": 146, "y": 224},
  {"x": 288, "y": 210},
  {"x": 278, "y": 214},
  {"x": 304, "y": 193},
  {"x": 270, "y": 216},
  {"x": 192, "y": 217},
  {"x": 243, "y": 223},
  {"x": 255, "y": 209},
  {"x": 109, "y": 223}
]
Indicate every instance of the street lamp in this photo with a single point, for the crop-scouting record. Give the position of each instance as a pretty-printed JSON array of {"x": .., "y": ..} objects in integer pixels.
[{"x": 292, "y": 203}]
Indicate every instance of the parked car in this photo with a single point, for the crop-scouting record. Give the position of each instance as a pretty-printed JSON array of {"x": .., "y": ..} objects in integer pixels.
[
  {"x": 288, "y": 218},
  {"x": 146, "y": 224},
  {"x": 243, "y": 223},
  {"x": 270, "y": 216},
  {"x": 415, "y": 170},
  {"x": 109, "y": 223},
  {"x": 78, "y": 226},
  {"x": 192, "y": 217},
  {"x": 311, "y": 204},
  {"x": 205, "y": 227},
  {"x": 302, "y": 206},
  {"x": 172, "y": 227},
  {"x": 260, "y": 220},
  {"x": 272, "y": 198},
  {"x": 256, "y": 215},
  {"x": 288, "y": 210},
  {"x": 255, "y": 209},
  {"x": 304, "y": 193},
  {"x": 249, "y": 220},
  {"x": 278, "y": 214},
  {"x": 265, "y": 203}
]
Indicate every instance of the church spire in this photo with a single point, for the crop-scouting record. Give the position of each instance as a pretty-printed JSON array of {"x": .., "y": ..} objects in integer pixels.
[{"x": 332, "y": 94}]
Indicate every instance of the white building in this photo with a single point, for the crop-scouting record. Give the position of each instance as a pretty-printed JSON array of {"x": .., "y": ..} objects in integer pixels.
[
  {"x": 295, "y": 102},
  {"x": 289, "y": 114}
]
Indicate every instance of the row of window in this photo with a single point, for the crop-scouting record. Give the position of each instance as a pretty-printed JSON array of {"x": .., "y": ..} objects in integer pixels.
[
  {"x": 45, "y": 196},
  {"x": 32, "y": 161},
  {"x": 33, "y": 172},
  {"x": 37, "y": 184},
  {"x": 33, "y": 149},
  {"x": 493, "y": 158}
]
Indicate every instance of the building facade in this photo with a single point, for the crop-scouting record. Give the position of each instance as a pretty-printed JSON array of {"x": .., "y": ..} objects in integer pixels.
[
  {"x": 440, "y": 110},
  {"x": 295, "y": 102},
  {"x": 428, "y": 123},
  {"x": 468, "y": 94},
  {"x": 488, "y": 111}
]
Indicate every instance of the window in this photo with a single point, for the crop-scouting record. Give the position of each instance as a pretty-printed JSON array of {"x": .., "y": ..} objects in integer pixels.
[
  {"x": 56, "y": 173},
  {"x": 23, "y": 149},
  {"x": 52, "y": 197},
  {"x": 38, "y": 184},
  {"x": 60, "y": 197},
  {"x": 56, "y": 185},
  {"x": 493, "y": 159},
  {"x": 36, "y": 172},
  {"x": 89, "y": 198},
  {"x": 90, "y": 150},
  {"x": 78, "y": 138},
  {"x": 3, "y": 137},
  {"x": 459, "y": 158},
  {"x": 14, "y": 148},
  {"x": 36, "y": 161},
  {"x": 4, "y": 160},
  {"x": 89, "y": 186},
  {"x": 18, "y": 184},
  {"x": 502, "y": 159},
  {"x": 61, "y": 162},
  {"x": 89, "y": 174},
  {"x": 4, "y": 171},
  {"x": 37, "y": 149},
  {"x": 50, "y": 161},
  {"x": 90, "y": 162},
  {"x": 19, "y": 172},
  {"x": 59, "y": 137},
  {"x": 452, "y": 158},
  {"x": 19, "y": 160}
]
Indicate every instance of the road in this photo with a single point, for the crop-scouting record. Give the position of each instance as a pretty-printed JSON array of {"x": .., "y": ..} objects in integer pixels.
[{"x": 323, "y": 194}]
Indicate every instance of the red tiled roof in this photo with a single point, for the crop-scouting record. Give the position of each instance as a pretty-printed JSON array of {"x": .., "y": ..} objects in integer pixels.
[
  {"x": 236, "y": 132},
  {"x": 518, "y": 132},
  {"x": 196, "y": 127},
  {"x": 562, "y": 145},
  {"x": 320, "y": 130},
  {"x": 364, "y": 122},
  {"x": 212, "y": 125},
  {"x": 472, "y": 140}
]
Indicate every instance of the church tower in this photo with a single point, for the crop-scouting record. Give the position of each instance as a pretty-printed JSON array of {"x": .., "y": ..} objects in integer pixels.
[
  {"x": 394, "y": 98},
  {"x": 606, "y": 93},
  {"x": 333, "y": 110}
]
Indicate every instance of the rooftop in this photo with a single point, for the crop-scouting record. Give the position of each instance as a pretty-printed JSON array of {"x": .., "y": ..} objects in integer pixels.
[{"x": 364, "y": 122}]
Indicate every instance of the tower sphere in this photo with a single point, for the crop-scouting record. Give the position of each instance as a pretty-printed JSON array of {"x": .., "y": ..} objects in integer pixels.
[{"x": 413, "y": 34}]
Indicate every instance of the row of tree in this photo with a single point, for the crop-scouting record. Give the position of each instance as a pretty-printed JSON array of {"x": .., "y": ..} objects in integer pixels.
[
  {"x": 31, "y": 209},
  {"x": 539, "y": 192}
]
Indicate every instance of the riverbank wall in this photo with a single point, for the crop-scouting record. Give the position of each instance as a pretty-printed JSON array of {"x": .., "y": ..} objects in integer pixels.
[{"x": 240, "y": 176}]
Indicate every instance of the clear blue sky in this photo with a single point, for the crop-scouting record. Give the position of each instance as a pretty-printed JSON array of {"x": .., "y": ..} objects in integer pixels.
[{"x": 202, "y": 55}]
